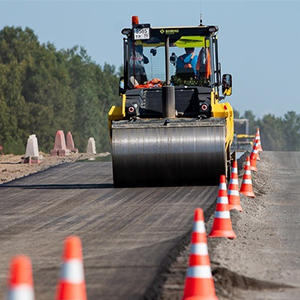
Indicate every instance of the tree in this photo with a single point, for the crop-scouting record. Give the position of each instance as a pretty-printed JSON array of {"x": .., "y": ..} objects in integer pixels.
[
  {"x": 291, "y": 131},
  {"x": 271, "y": 133},
  {"x": 252, "y": 122},
  {"x": 43, "y": 90}
]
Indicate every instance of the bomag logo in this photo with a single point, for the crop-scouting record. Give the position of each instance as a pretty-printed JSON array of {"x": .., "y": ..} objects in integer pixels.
[{"x": 169, "y": 31}]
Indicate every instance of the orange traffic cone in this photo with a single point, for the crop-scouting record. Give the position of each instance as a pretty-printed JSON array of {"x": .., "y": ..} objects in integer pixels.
[
  {"x": 233, "y": 189},
  {"x": 258, "y": 158},
  {"x": 246, "y": 187},
  {"x": 258, "y": 145},
  {"x": 71, "y": 285},
  {"x": 257, "y": 137},
  {"x": 222, "y": 223},
  {"x": 20, "y": 282},
  {"x": 253, "y": 156},
  {"x": 199, "y": 284},
  {"x": 247, "y": 165}
]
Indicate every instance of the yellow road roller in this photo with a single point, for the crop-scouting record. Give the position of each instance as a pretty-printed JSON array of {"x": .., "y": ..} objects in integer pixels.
[{"x": 171, "y": 128}]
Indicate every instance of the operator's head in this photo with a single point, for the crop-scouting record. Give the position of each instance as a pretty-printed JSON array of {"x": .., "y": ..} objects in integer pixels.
[
  {"x": 189, "y": 50},
  {"x": 139, "y": 48}
]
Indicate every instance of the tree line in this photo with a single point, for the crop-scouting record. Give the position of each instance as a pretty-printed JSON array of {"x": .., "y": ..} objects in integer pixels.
[
  {"x": 43, "y": 90},
  {"x": 276, "y": 133}
]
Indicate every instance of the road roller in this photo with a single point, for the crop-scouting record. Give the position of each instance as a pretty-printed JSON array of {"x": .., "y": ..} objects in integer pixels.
[{"x": 172, "y": 127}]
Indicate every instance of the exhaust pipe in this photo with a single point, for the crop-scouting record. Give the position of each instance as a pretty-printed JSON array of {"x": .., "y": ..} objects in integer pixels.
[
  {"x": 168, "y": 92},
  {"x": 168, "y": 101}
]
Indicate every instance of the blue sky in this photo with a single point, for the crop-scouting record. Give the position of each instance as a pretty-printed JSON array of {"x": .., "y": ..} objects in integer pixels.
[{"x": 258, "y": 40}]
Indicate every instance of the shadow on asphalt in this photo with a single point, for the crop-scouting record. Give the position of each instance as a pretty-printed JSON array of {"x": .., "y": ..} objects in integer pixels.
[{"x": 60, "y": 186}]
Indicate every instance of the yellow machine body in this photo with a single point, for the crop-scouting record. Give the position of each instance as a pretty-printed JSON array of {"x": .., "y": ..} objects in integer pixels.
[{"x": 175, "y": 131}]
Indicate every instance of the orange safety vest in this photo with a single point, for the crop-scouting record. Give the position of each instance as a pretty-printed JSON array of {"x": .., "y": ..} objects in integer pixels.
[
  {"x": 207, "y": 65},
  {"x": 188, "y": 65},
  {"x": 155, "y": 82}
]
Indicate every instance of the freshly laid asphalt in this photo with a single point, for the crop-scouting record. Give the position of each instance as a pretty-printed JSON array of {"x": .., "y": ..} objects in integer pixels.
[{"x": 127, "y": 234}]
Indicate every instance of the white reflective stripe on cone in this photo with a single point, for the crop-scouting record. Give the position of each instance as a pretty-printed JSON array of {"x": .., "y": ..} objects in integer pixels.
[
  {"x": 234, "y": 181},
  {"x": 199, "y": 227},
  {"x": 247, "y": 181},
  {"x": 199, "y": 249},
  {"x": 72, "y": 271},
  {"x": 223, "y": 200},
  {"x": 199, "y": 272},
  {"x": 222, "y": 214},
  {"x": 248, "y": 172},
  {"x": 233, "y": 193},
  {"x": 234, "y": 170},
  {"x": 222, "y": 186},
  {"x": 21, "y": 292}
]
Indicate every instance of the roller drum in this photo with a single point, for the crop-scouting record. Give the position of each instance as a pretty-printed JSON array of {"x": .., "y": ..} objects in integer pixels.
[{"x": 164, "y": 155}]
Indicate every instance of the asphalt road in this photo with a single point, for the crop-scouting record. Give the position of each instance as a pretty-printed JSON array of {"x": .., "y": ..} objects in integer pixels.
[{"x": 127, "y": 234}]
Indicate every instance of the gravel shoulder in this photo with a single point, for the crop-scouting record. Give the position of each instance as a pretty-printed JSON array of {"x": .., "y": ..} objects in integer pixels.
[{"x": 264, "y": 261}]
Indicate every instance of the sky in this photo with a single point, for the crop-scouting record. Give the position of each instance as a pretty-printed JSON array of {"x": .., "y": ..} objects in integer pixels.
[{"x": 258, "y": 40}]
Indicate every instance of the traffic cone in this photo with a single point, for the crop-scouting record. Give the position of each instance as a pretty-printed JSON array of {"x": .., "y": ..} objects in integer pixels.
[
  {"x": 246, "y": 187},
  {"x": 20, "y": 282},
  {"x": 247, "y": 165},
  {"x": 222, "y": 223},
  {"x": 71, "y": 284},
  {"x": 257, "y": 137},
  {"x": 199, "y": 284},
  {"x": 233, "y": 189},
  {"x": 257, "y": 154},
  {"x": 253, "y": 157},
  {"x": 257, "y": 157}
]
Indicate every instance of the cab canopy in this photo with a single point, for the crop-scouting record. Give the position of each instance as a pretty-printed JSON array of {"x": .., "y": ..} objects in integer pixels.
[{"x": 170, "y": 55}]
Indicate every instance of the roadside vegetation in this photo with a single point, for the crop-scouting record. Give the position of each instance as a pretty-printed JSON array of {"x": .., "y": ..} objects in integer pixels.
[
  {"x": 43, "y": 90},
  {"x": 277, "y": 133}
]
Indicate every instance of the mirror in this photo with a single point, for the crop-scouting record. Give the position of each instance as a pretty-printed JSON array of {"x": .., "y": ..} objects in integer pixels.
[
  {"x": 153, "y": 51},
  {"x": 121, "y": 86},
  {"x": 227, "y": 84},
  {"x": 173, "y": 59}
]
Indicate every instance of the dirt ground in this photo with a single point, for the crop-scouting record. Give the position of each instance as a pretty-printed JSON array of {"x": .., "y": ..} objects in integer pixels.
[
  {"x": 11, "y": 166},
  {"x": 255, "y": 265}
]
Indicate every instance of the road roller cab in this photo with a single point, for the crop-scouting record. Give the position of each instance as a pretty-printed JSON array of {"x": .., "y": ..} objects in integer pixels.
[{"x": 171, "y": 128}]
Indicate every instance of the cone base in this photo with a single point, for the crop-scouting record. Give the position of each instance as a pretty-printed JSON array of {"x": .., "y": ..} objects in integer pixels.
[
  {"x": 222, "y": 233},
  {"x": 235, "y": 206},
  {"x": 248, "y": 194},
  {"x": 253, "y": 169},
  {"x": 212, "y": 297}
]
